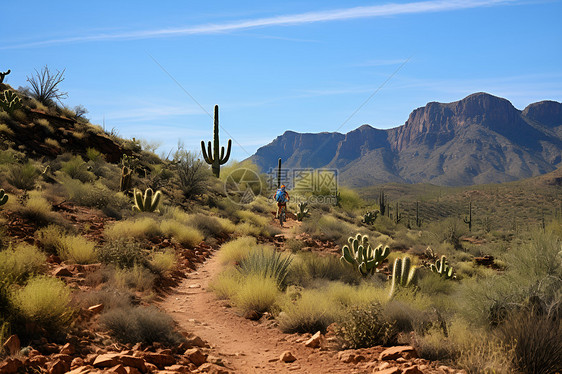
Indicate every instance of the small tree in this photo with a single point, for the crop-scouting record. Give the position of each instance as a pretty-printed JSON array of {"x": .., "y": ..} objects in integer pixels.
[
  {"x": 191, "y": 172},
  {"x": 45, "y": 86}
]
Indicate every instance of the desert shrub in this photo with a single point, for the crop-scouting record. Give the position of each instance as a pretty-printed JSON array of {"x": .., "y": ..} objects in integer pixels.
[
  {"x": 252, "y": 218},
  {"x": 311, "y": 311},
  {"x": 267, "y": 263},
  {"x": 294, "y": 245},
  {"x": 163, "y": 262},
  {"x": 434, "y": 345},
  {"x": 45, "y": 124},
  {"x": 94, "y": 155},
  {"x": 309, "y": 266},
  {"x": 45, "y": 86},
  {"x": 44, "y": 300},
  {"x": 235, "y": 250},
  {"x": 48, "y": 237},
  {"x": 109, "y": 297},
  {"x": 95, "y": 195},
  {"x": 122, "y": 252},
  {"x": 449, "y": 230},
  {"x": 364, "y": 326},
  {"x": 19, "y": 262},
  {"x": 209, "y": 226},
  {"x": 431, "y": 283},
  {"x": 76, "y": 168},
  {"x": 184, "y": 234},
  {"x": 38, "y": 209},
  {"x": 345, "y": 295},
  {"x": 77, "y": 249},
  {"x": 226, "y": 284},
  {"x": 405, "y": 318},
  {"x": 23, "y": 176},
  {"x": 139, "y": 228},
  {"x": 140, "y": 324},
  {"x": 536, "y": 341},
  {"x": 326, "y": 227},
  {"x": 349, "y": 199},
  {"x": 256, "y": 293},
  {"x": 4, "y": 129},
  {"x": 52, "y": 143},
  {"x": 137, "y": 278},
  {"x": 192, "y": 173}
]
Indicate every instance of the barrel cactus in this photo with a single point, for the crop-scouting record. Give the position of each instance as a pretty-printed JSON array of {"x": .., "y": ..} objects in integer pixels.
[
  {"x": 403, "y": 275},
  {"x": 147, "y": 203},
  {"x": 442, "y": 268},
  {"x": 361, "y": 255}
]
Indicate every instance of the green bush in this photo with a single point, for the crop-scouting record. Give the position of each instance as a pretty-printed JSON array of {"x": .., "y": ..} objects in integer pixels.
[
  {"x": 163, "y": 262},
  {"x": 44, "y": 300},
  {"x": 23, "y": 176},
  {"x": 76, "y": 168},
  {"x": 137, "y": 278},
  {"x": 364, "y": 326},
  {"x": 267, "y": 263},
  {"x": 38, "y": 210},
  {"x": 183, "y": 234},
  {"x": 140, "y": 324},
  {"x": 310, "y": 266},
  {"x": 123, "y": 253},
  {"x": 140, "y": 228},
  {"x": 18, "y": 263},
  {"x": 310, "y": 312},
  {"x": 209, "y": 226},
  {"x": 48, "y": 238},
  {"x": 226, "y": 284},
  {"x": 256, "y": 293},
  {"x": 77, "y": 249},
  {"x": 235, "y": 250}
]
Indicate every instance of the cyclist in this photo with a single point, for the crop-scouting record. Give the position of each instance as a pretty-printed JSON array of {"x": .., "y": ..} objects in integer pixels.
[{"x": 282, "y": 197}]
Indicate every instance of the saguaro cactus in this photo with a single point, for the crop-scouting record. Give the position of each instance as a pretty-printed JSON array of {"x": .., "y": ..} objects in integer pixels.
[
  {"x": 397, "y": 214},
  {"x": 360, "y": 254},
  {"x": 212, "y": 155},
  {"x": 403, "y": 274},
  {"x": 3, "y": 75},
  {"x": 279, "y": 173},
  {"x": 3, "y": 197},
  {"x": 382, "y": 204},
  {"x": 442, "y": 268},
  {"x": 468, "y": 219},
  {"x": 418, "y": 220},
  {"x": 147, "y": 203},
  {"x": 125, "y": 182}
]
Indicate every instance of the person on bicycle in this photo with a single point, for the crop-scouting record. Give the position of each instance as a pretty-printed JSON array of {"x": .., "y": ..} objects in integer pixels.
[{"x": 282, "y": 197}]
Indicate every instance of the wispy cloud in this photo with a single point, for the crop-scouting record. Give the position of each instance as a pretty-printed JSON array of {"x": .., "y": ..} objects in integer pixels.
[
  {"x": 382, "y": 62},
  {"x": 385, "y": 10}
]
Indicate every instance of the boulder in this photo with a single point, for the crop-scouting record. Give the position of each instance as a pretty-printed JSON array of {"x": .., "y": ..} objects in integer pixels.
[
  {"x": 159, "y": 359},
  {"x": 212, "y": 369},
  {"x": 58, "y": 367},
  {"x": 393, "y": 353},
  {"x": 392, "y": 370},
  {"x": 106, "y": 360},
  {"x": 10, "y": 365},
  {"x": 315, "y": 341},
  {"x": 287, "y": 356},
  {"x": 135, "y": 362},
  {"x": 195, "y": 356},
  {"x": 118, "y": 369},
  {"x": 412, "y": 370},
  {"x": 62, "y": 271}
]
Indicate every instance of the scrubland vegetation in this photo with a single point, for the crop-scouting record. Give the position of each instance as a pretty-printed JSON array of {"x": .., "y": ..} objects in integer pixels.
[{"x": 482, "y": 295}]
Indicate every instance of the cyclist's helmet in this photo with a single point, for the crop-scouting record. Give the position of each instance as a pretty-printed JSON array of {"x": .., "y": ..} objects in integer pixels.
[{"x": 282, "y": 186}]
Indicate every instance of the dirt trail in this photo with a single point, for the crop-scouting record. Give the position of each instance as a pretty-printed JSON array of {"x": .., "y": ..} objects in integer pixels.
[{"x": 245, "y": 346}]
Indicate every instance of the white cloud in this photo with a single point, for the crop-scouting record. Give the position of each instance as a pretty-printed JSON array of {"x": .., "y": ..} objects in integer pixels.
[{"x": 385, "y": 10}]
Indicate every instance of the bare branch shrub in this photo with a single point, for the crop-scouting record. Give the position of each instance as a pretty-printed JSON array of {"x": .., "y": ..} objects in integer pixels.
[{"x": 45, "y": 86}]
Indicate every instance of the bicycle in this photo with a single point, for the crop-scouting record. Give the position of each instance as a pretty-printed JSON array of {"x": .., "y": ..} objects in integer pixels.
[{"x": 282, "y": 214}]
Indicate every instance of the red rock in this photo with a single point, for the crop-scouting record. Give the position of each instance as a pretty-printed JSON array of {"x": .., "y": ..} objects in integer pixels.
[
  {"x": 58, "y": 367},
  {"x": 62, "y": 357},
  {"x": 212, "y": 369},
  {"x": 12, "y": 345},
  {"x": 132, "y": 361},
  {"x": 195, "y": 356},
  {"x": 350, "y": 357},
  {"x": 392, "y": 370},
  {"x": 106, "y": 360},
  {"x": 315, "y": 341},
  {"x": 10, "y": 365},
  {"x": 178, "y": 368},
  {"x": 287, "y": 356},
  {"x": 95, "y": 309},
  {"x": 118, "y": 369},
  {"x": 196, "y": 341},
  {"x": 393, "y": 353},
  {"x": 80, "y": 370},
  {"x": 412, "y": 370},
  {"x": 62, "y": 271},
  {"x": 76, "y": 362},
  {"x": 132, "y": 370},
  {"x": 67, "y": 349},
  {"x": 159, "y": 359},
  {"x": 151, "y": 367}
]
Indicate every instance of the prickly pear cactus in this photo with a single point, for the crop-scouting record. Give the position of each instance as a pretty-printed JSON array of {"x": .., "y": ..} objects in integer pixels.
[
  {"x": 370, "y": 217},
  {"x": 9, "y": 101},
  {"x": 147, "y": 203},
  {"x": 403, "y": 275},
  {"x": 361, "y": 255},
  {"x": 303, "y": 210},
  {"x": 3, "y": 197},
  {"x": 442, "y": 268}
]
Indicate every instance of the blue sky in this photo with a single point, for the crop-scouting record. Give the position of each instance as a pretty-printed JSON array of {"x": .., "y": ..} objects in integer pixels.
[{"x": 274, "y": 66}]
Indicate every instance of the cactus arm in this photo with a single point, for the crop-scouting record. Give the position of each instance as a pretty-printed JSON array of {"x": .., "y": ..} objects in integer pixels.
[
  {"x": 205, "y": 154},
  {"x": 156, "y": 201},
  {"x": 3, "y": 197},
  {"x": 138, "y": 201},
  {"x": 347, "y": 255},
  {"x": 224, "y": 159}
]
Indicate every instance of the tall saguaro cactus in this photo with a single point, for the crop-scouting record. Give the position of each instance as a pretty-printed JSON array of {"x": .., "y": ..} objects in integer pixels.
[
  {"x": 468, "y": 219},
  {"x": 382, "y": 204},
  {"x": 279, "y": 173},
  {"x": 212, "y": 155},
  {"x": 3, "y": 75}
]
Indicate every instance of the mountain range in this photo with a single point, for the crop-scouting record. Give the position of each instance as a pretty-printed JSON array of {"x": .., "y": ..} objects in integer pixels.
[{"x": 479, "y": 139}]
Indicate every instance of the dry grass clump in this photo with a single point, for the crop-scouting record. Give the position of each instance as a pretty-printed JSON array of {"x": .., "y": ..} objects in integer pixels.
[
  {"x": 311, "y": 311},
  {"x": 122, "y": 252},
  {"x": 235, "y": 250},
  {"x": 77, "y": 249},
  {"x": 44, "y": 300},
  {"x": 137, "y": 278},
  {"x": 23, "y": 176},
  {"x": 163, "y": 262},
  {"x": 38, "y": 210},
  {"x": 256, "y": 293},
  {"x": 48, "y": 237},
  {"x": 20, "y": 262},
  {"x": 184, "y": 234},
  {"x": 139, "y": 228}
]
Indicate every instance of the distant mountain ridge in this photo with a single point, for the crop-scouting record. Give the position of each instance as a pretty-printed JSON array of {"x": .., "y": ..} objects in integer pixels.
[{"x": 479, "y": 139}]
